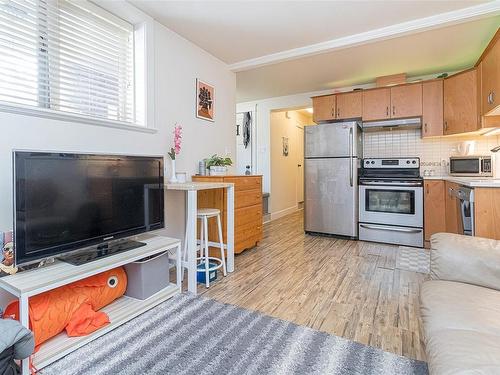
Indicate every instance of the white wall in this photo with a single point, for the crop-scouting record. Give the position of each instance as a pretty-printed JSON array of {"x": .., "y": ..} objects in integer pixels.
[{"x": 178, "y": 63}]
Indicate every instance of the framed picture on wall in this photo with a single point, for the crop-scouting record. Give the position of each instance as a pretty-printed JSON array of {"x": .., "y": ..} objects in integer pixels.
[{"x": 205, "y": 100}]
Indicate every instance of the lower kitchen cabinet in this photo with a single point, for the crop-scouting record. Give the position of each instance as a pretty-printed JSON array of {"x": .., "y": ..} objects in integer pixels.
[
  {"x": 487, "y": 212},
  {"x": 247, "y": 209},
  {"x": 434, "y": 208}
]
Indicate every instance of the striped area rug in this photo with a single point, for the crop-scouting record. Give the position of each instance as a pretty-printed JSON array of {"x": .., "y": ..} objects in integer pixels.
[{"x": 196, "y": 335}]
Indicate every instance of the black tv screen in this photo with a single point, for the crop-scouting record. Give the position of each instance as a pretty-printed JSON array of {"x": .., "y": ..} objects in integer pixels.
[{"x": 65, "y": 201}]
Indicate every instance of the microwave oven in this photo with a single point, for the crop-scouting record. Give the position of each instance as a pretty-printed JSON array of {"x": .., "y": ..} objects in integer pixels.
[{"x": 471, "y": 166}]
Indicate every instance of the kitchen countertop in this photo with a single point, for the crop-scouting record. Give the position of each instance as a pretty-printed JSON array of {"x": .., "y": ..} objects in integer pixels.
[{"x": 469, "y": 181}]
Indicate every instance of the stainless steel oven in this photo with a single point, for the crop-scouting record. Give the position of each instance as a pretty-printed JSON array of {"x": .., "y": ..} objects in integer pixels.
[
  {"x": 479, "y": 166},
  {"x": 391, "y": 202}
]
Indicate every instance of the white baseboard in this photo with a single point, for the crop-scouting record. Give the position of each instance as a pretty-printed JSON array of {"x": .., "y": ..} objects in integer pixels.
[{"x": 281, "y": 213}]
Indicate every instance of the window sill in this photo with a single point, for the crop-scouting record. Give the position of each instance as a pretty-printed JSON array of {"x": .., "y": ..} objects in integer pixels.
[{"x": 70, "y": 117}]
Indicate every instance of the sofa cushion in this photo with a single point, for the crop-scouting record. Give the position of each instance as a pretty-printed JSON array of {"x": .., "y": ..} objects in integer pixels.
[{"x": 462, "y": 327}]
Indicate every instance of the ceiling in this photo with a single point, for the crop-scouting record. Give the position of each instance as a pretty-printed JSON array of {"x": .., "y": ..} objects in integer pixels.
[
  {"x": 441, "y": 50},
  {"x": 243, "y": 34}
]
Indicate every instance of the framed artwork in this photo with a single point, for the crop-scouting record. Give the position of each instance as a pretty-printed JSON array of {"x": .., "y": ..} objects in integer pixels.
[
  {"x": 285, "y": 146},
  {"x": 205, "y": 101}
]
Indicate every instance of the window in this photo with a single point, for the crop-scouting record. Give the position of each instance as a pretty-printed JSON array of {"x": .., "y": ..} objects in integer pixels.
[{"x": 66, "y": 56}]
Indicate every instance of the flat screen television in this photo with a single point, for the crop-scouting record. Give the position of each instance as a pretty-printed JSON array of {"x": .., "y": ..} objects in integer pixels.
[{"x": 66, "y": 201}]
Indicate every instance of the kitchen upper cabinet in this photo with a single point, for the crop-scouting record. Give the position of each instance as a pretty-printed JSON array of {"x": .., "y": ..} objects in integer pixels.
[
  {"x": 432, "y": 108},
  {"x": 461, "y": 103},
  {"x": 406, "y": 100},
  {"x": 434, "y": 208},
  {"x": 490, "y": 78},
  {"x": 323, "y": 108},
  {"x": 349, "y": 105},
  {"x": 452, "y": 209},
  {"x": 376, "y": 104}
]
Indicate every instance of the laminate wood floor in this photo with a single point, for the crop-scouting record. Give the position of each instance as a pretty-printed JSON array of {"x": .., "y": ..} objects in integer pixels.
[{"x": 347, "y": 288}]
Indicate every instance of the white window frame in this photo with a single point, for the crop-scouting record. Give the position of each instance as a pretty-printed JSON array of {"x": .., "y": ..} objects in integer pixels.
[{"x": 144, "y": 69}]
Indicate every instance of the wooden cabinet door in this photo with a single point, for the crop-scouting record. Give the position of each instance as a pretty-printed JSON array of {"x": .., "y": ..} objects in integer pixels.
[
  {"x": 452, "y": 208},
  {"x": 323, "y": 108},
  {"x": 490, "y": 79},
  {"x": 349, "y": 105},
  {"x": 434, "y": 208},
  {"x": 487, "y": 212},
  {"x": 406, "y": 100},
  {"x": 376, "y": 104},
  {"x": 432, "y": 108},
  {"x": 460, "y": 101}
]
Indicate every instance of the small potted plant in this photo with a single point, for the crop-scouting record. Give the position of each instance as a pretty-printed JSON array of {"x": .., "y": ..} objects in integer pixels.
[{"x": 218, "y": 165}]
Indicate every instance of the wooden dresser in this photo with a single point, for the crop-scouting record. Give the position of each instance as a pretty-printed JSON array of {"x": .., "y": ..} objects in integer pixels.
[{"x": 247, "y": 208}]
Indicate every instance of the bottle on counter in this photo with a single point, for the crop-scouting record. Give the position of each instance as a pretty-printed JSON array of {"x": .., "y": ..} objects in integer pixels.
[
  {"x": 248, "y": 172},
  {"x": 202, "y": 168}
]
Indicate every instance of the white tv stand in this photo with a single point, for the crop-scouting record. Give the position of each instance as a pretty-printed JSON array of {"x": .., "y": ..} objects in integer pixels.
[{"x": 29, "y": 283}]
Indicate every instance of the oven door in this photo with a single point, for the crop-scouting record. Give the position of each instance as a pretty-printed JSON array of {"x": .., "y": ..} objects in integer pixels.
[{"x": 391, "y": 204}]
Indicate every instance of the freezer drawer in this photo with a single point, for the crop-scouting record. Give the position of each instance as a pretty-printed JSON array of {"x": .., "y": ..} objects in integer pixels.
[
  {"x": 391, "y": 234},
  {"x": 331, "y": 196}
]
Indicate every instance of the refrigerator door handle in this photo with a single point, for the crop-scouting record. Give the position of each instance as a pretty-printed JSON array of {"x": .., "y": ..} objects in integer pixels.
[{"x": 351, "y": 162}]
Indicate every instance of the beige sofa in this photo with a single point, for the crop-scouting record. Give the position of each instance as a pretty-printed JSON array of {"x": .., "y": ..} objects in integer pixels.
[{"x": 460, "y": 306}]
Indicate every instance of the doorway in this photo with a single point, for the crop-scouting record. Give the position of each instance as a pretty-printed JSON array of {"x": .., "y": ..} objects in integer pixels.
[{"x": 287, "y": 160}]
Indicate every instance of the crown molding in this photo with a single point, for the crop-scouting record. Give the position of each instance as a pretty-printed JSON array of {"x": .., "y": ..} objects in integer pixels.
[{"x": 415, "y": 26}]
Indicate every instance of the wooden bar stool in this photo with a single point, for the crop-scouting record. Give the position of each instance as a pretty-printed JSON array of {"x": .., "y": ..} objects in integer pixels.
[{"x": 204, "y": 214}]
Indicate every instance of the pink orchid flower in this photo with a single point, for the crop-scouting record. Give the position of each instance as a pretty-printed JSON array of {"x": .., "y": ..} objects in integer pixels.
[{"x": 177, "y": 142}]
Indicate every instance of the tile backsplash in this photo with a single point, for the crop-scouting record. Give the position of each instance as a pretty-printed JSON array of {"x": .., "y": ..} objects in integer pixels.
[{"x": 433, "y": 152}]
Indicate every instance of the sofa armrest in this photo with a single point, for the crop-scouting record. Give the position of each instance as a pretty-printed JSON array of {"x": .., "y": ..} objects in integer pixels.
[{"x": 466, "y": 259}]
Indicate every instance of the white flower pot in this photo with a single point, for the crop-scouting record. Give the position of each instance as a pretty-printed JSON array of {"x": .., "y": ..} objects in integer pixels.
[
  {"x": 218, "y": 171},
  {"x": 173, "y": 177}
]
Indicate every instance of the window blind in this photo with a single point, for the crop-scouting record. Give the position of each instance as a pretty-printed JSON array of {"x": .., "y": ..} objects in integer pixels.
[{"x": 67, "y": 56}]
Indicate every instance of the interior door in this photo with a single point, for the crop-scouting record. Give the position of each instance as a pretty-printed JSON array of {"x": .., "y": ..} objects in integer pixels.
[
  {"x": 300, "y": 164},
  {"x": 331, "y": 203}
]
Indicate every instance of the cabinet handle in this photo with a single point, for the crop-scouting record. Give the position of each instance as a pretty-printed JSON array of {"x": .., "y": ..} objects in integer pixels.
[
  {"x": 427, "y": 189},
  {"x": 333, "y": 112},
  {"x": 393, "y": 109},
  {"x": 338, "y": 112},
  {"x": 425, "y": 128},
  {"x": 446, "y": 125},
  {"x": 387, "y": 111},
  {"x": 492, "y": 97}
]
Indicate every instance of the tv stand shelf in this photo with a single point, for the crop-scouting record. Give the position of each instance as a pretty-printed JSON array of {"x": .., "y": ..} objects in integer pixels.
[{"x": 35, "y": 281}]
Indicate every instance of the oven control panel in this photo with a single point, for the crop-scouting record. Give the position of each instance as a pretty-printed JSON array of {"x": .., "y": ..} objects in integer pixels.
[{"x": 388, "y": 163}]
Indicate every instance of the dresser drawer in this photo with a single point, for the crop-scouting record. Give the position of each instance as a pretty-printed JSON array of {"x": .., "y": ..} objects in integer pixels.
[
  {"x": 245, "y": 215},
  {"x": 245, "y": 183},
  {"x": 245, "y": 198},
  {"x": 248, "y": 231}
]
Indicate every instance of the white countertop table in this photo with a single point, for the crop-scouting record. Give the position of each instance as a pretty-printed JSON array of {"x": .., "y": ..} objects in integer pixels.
[{"x": 191, "y": 189}]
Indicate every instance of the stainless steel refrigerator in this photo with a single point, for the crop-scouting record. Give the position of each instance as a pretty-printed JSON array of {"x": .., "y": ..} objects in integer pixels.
[{"x": 332, "y": 152}]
